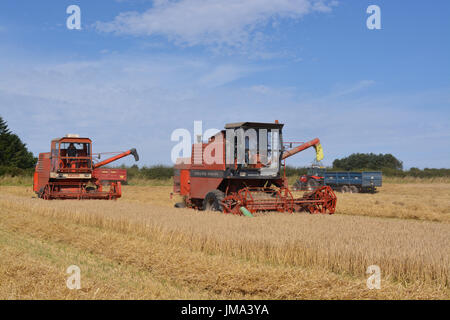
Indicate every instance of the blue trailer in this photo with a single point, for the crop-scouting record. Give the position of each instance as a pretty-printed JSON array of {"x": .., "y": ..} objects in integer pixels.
[{"x": 343, "y": 181}]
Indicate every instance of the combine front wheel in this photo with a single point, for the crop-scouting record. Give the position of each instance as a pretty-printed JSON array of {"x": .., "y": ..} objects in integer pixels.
[
  {"x": 180, "y": 205},
  {"x": 40, "y": 193},
  {"x": 46, "y": 193}
]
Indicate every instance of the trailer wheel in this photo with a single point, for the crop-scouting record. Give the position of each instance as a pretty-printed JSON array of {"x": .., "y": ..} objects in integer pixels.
[
  {"x": 345, "y": 189},
  {"x": 213, "y": 201},
  {"x": 354, "y": 189}
]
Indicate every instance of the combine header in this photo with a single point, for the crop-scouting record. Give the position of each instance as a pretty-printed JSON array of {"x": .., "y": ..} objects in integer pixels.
[
  {"x": 68, "y": 172},
  {"x": 240, "y": 167}
]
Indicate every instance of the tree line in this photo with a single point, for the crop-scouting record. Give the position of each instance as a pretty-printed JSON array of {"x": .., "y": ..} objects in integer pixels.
[
  {"x": 387, "y": 163},
  {"x": 16, "y": 160}
]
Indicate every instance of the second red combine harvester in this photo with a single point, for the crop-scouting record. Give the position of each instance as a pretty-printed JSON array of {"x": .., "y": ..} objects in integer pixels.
[
  {"x": 252, "y": 179},
  {"x": 68, "y": 172}
]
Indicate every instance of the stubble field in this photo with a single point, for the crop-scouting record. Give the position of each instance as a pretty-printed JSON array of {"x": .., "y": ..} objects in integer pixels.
[{"x": 140, "y": 247}]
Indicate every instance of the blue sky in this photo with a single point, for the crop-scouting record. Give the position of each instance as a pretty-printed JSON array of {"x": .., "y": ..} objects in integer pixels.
[{"x": 140, "y": 69}]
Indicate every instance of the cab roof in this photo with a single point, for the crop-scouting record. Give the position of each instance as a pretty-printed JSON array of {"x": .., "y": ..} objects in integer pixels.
[
  {"x": 72, "y": 139},
  {"x": 255, "y": 125}
]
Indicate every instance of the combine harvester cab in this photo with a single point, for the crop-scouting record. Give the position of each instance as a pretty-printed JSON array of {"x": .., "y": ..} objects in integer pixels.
[
  {"x": 68, "y": 172},
  {"x": 220, "y": 176}
]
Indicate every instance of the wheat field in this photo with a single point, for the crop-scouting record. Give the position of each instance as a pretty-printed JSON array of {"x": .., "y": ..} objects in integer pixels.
[{"x": 140, "y": 247}]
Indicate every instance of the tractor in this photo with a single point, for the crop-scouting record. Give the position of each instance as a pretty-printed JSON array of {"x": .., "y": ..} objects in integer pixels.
[
  {"x": 69, "y": 172},
  {"x": 241, "y": 168}
]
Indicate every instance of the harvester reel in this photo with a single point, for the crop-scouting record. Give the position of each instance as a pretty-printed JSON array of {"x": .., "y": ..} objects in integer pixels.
[
  {"x": 258, "y": 199},
  {"x": 232, "y": 203},
  {"x": 321, "y": 200}
]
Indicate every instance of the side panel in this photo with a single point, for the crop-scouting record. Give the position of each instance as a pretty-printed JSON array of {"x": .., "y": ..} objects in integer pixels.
[
  {"x": 181, "y": 169},
  {"x": 184, "y": 182},
  {"x": 176, "y": 180},
  {"x": 355, "y": 178},
  {"x": 201, "y": 186},
  {"x": 330, "y": 178},
  {"x": 343, "y": 178},
  {"x": 105, "y": 174},
  {"x": 42, "y": 172},
  {"x": 372, "y": 179}
]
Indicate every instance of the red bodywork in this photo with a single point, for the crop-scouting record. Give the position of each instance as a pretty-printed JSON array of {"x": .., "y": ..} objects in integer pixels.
[
  {"x": 106, "y": 175},
  {"x": 195, "y": 178},
  {"x": 68, "y": 172}
]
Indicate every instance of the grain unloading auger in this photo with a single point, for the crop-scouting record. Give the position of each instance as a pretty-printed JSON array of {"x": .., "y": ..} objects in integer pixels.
[
  {"x": 68, "y": 172},
  {"x": 240, "y": 167}
]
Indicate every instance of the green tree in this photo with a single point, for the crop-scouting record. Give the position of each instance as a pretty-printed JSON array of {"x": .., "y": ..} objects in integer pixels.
[
  {"x": 3, "y": 127},
  {"x": 13, "y": 152},
  {"x": 358, "y": 161}
]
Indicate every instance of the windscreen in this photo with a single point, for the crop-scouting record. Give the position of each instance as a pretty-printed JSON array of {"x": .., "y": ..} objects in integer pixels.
[
  {"x": 257, "y": 148},
  {"x": 75, "y": 155}
]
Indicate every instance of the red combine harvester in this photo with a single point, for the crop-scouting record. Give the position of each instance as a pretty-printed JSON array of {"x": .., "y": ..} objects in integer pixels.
[
  {"x": 254, "y": 182},
  {"x": 68, "y": 172}
]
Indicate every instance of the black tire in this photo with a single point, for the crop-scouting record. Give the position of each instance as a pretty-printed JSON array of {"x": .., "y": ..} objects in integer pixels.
[
  {"x": 354, "y": 189},
  {"x": 213, "y": 201},
  {"x": 312, "y": 184},
  {"x": 345, "y": 189},
  {"x": 40, "y": 193},
  {"x": 180, "y": 205}
]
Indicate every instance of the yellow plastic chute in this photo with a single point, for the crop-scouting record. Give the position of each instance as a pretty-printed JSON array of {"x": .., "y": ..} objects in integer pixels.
[{"x": 319, "y": 152}]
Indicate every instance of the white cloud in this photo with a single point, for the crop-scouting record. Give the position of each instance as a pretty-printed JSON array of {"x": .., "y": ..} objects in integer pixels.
[
  {"x": 231, "y": 23},
  {"x": 223, "y": 74},
  {"x": 262, "y": 90},
  {"x": 138, "y": 101},
  {"x": 341, "y": 90},
  {"x": 124, "y": 101}
]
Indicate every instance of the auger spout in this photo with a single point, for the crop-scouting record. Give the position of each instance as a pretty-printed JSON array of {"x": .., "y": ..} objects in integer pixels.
[
  {"x": 117, "y": 157},
  {"x": 313, "y": 143}
]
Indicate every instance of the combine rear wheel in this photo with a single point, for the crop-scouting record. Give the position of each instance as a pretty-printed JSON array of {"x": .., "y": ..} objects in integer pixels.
[
  {"x": 345, "y": 189},
  {"x": 213, "y": 201},
  {"x": 354, "y": 189},
  {"x": 312, "y": 184},
  {"x": 297, "y": 186}
]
